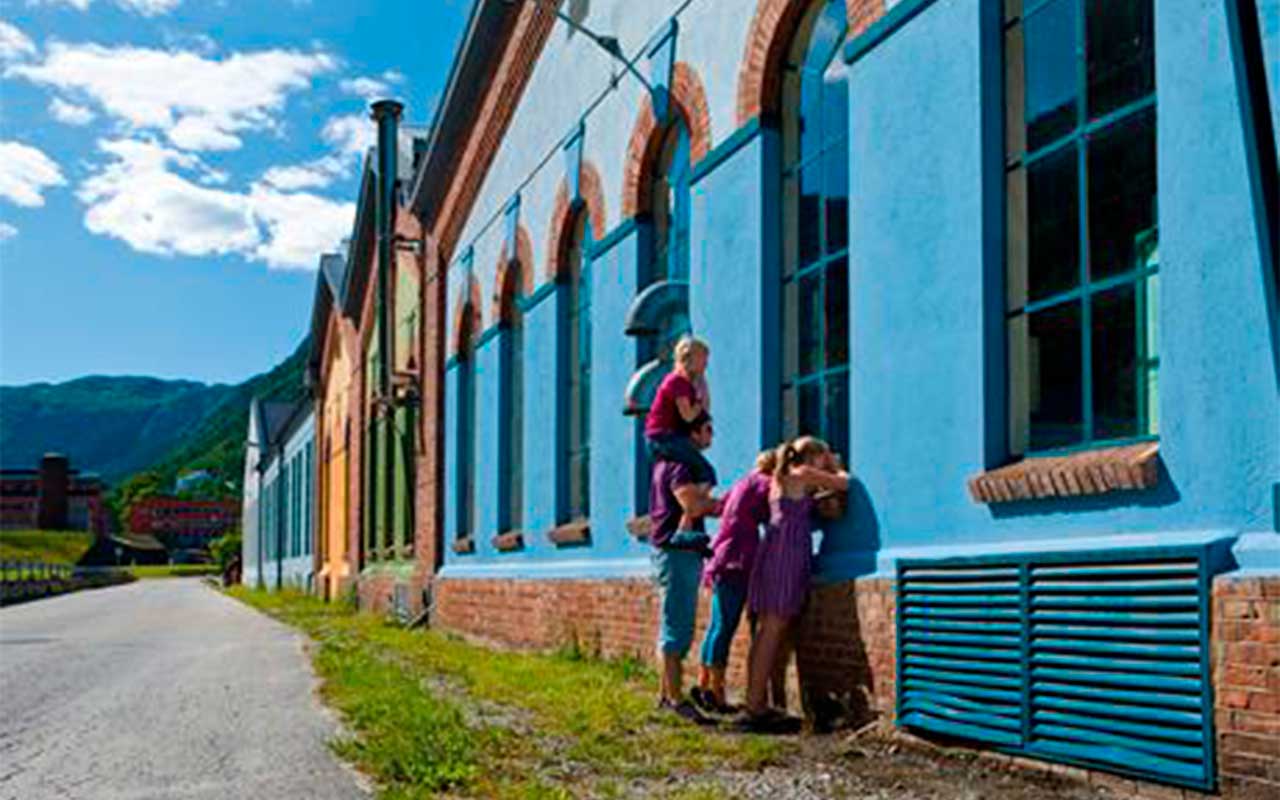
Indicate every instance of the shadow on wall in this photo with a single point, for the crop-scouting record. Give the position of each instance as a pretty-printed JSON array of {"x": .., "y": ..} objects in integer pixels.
[{"x": 1164, "y": 494}]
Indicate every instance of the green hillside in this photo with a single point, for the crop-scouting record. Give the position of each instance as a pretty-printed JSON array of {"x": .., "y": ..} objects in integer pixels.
[
  {"x": 111, "y": 425},
  {"x": 121, "y": 426},
  {"x": 217, "y": 442}
]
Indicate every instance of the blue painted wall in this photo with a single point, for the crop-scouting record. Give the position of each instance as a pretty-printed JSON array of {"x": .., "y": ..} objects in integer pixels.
[{"x": 926, "y": 322}]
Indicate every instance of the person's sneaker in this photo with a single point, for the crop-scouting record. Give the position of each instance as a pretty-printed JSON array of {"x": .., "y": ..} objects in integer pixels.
[
  {"x": 685, "y": 711},
  {"x": 704, "y": 699},
  {"x": 766, "y": 723}
]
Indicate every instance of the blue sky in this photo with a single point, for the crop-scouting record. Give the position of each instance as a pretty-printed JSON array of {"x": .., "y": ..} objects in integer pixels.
[{"x": 170, "y": 171}]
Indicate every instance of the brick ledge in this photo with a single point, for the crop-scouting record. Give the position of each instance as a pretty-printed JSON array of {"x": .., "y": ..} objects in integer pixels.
[
  {"x": 576, "y": 532},
  {"x": 506, "y": 542},
  {"x": 640, "y": 527},
  {"x": 464, "y": 545},
  {"x": 1091, "y": 472}
]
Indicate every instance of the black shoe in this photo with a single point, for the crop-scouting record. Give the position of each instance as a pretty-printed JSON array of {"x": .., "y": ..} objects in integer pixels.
[
  {"x": 766, "y": 723},
  {"x": 685, "y": 711},
  {"x": 704, "y": 699}
]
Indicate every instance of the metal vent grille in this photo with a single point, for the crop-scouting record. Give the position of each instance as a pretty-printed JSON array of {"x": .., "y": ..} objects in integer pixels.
[{"x": 1095, "y": 660}]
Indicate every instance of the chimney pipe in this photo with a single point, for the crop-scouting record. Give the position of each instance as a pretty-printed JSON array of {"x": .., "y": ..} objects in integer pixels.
[{"x": 386, "y": 113}]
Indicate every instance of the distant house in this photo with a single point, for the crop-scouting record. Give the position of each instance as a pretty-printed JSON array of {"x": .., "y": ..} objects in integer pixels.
[
  {"x": 276, "y": 513},
  {"x": 54, "y": 497},
  {"x": 183, "y": 524}
]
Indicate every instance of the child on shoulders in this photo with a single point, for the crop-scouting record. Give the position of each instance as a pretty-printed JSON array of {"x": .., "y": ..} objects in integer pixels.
[{"x": 682, "y": 398}]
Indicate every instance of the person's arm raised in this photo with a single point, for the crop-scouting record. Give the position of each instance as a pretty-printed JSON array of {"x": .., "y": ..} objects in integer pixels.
[{"x": 821, "y": 479}]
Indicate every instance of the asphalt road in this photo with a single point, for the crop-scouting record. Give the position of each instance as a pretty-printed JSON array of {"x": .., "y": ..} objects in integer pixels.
[{"x": 159, "y": 689}]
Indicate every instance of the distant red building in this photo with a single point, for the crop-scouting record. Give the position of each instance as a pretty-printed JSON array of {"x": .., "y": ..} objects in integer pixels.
[
  {"x": 53, "y": 497},
  {"x": 182, "y": 524}
]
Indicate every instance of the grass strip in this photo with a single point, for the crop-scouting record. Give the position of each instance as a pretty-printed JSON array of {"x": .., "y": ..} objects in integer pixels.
[{"x": 427, "y": 709}]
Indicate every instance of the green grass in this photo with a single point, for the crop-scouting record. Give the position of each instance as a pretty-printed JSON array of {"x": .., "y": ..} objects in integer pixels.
[
  {"x": 48, "y": 547},
  {"x": 432, "y": 713},
  {"x": 147, "y": 571}
]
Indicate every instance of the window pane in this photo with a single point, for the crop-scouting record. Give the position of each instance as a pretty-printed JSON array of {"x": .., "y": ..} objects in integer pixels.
[
  {"x": 1054, "y": 375},
  {"x": 836, "y": 201},
  {"x": 809, "y": 323},
  {"x": 1053, "y": 217},
  {"x": 837, "y": 412},
  {"x": 790, "y": 223},
  {"x": 1115, "y": 409},
  {"x": 1122, "y": 194},
  {"x": 790, "y": 334},
  {"x": 1015, "y": 94},
  {"x": 1050, "y": 56},
  {"x": 836, "y": 313},
  {"x": 790, "y": 412},
  {"x": 810, "y": 236},
  {"x": 810, "y": 409},
  {"x": 1121, "y": 53},
  {"x": 835, "y": 102}
]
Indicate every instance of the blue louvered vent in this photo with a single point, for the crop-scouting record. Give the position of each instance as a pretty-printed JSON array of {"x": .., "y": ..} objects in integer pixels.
[{"x": 1095, "y": 660}]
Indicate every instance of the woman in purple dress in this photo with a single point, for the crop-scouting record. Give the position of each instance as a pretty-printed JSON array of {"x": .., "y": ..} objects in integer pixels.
[{"x": 779, "y": 585}]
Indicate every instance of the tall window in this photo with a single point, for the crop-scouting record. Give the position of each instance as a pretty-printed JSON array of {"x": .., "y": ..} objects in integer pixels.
[
  {"x": 670, "y": 207},
  {"x": 576, "y": 305},
  {"x": 1082, "y": 249},
  {"x": 815, "y": 269},
  {"x": 465, "y": 499},
  {"x": 511, "y": 421}
]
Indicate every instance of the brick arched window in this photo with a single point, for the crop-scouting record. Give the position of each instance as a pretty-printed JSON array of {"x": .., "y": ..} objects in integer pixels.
[
  {"x": 815, "y": 240},
  {"x": 574, "y": 384}
]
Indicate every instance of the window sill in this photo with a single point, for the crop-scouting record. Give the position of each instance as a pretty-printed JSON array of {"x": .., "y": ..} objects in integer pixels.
[
  {"x": 640, "y": 527},
  {"x": 1091, "y": 472},
  {"x": 506, "y": 542},
  {"x": 575, "y": 532},
  {"x": 464, "y": 545}
]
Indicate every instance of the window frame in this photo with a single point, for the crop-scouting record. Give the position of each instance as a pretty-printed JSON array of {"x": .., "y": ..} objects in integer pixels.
[
  {"x": 1084, "y": 134},
  {"x": 793, "y": 162},
  {"x": 575, "y": 327}
]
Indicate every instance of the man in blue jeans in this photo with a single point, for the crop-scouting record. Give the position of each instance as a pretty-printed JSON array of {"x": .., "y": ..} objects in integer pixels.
[{"x": 677, "y": 505}]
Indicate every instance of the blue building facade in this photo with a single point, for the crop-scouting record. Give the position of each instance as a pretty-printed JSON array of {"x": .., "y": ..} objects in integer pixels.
[
  {"x": 1015, "y": 261},
  {"x": 278, "y": 516}
]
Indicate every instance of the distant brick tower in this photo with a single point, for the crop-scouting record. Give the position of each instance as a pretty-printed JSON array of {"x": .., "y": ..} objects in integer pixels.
[{"x": 54, "y": 479}]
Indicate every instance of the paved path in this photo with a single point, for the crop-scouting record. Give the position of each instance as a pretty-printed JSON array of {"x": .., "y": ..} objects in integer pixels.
[{"x": 159, "y": 689}]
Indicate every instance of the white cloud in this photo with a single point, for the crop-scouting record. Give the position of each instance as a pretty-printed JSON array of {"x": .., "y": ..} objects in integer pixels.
[
  {"x": 25, "y": 172},
  {"x": 350, "y": 135},
  {"x": 370, "y": 88},
  {"x": 7, "y": 231},
  {"x": 199, "y": 103},
  {"x": 14, "y": 44},
  {"x": 143, "y": 198},
  {"x": 70, "y": 113},
  {"x": 147, "y": 8}
]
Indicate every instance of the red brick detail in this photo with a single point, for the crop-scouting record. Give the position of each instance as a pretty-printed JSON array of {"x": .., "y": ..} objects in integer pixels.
[
  {"x": 618, "y": 618},
  {"x": 576, "y": 532},
  {"x": 514, "y": 277},
  {"x": 1107, "y": 469},
  {"x": 506, "y": 542},
  {"x": 496, "y": 108},
  {"x": 464, "y": 545},
  {"x": 428, "y": 519},
  {"x": 466, "y": 318},
  {"x": 769, "y": 38},
  {"x": 1246, "y": 678},
  {"x": 640, "y": 527},
  {"x": 689, "y": 100},
  {"x": 562, "y": 216}
]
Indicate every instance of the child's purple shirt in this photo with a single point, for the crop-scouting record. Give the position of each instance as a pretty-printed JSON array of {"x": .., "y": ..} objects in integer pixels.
[{"x": 746, "y": 508}]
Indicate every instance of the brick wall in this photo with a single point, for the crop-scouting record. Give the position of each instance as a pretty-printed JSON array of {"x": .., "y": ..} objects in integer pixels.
[
  {"x": 1246, "y": 677},
  {"x": 845, "y": 641}
]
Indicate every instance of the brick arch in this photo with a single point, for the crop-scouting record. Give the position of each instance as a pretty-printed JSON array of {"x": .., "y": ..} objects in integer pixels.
[
  {"x": 592, "y": 190},
  {"x": 768, "y": 39},
  {"x": 466, "y": 318},
  {"x": 689, "y": 100},
  {"x": 514, "y": 277}
]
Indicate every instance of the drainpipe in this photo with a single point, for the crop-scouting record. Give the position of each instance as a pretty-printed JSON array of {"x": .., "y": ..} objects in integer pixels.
[
  {"x": 386, "y": 113},
  {"x": 281, "y": 508}
]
